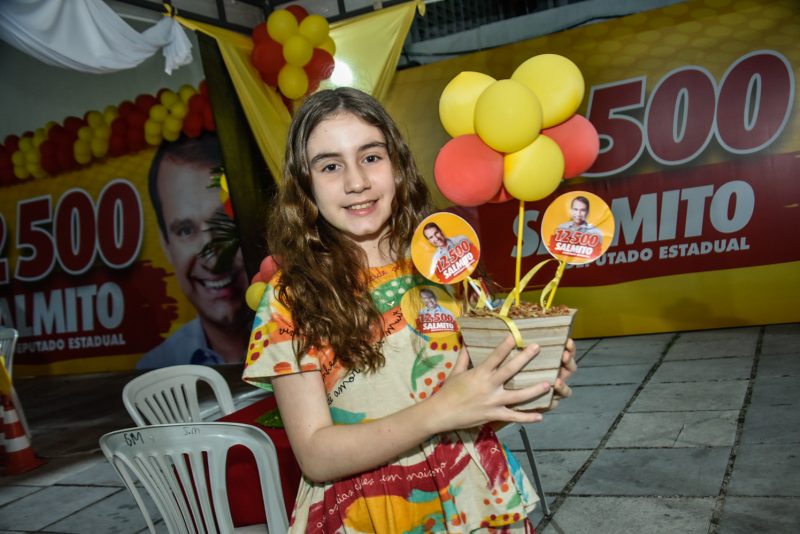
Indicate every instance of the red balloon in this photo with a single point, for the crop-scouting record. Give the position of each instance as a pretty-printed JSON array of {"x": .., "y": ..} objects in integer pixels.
[
  {"x": 203, "y": 88},
  {"x": 267, "y": 58},
  {"x": 5, "y": 156},
  {"x": 126, "y": 108},
  {"x": 467, "y": 171},
  {"x": 259, "y": 33},
  {"x": 135, "y": 139},
  {"x": 193, "y": 124},
  {"x": 196, "y": 103},
  {"x": 50, "y": 157},
  {"x": 298, "y": 11},
  {"x": 321, "y": 65},
  {"x": 268, "y": 268},
  {"x": 256, "y": 278},
  {"x": 227, "y": 207},
  {"x": 136, "y": 120},
  {"x": 145, "y": 102},
  {"x": 66, "y": 157},
  {"x": 58, "y": 134},
  {"x": 578, "y": 140},
  {"x": 11, "y": 143},
  {"x": 119, "y": 126},
  {"x": 73, "y": 124},
  {"x": 117, "y": 145},
  {"x": 502, "y": 196}
]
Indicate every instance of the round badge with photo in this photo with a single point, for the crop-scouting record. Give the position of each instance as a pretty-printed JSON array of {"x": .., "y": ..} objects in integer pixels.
[
  {"x": 578, "y": 227},
  {"x": 430, "y": 310},
  {"x": 445, "y": 248}
]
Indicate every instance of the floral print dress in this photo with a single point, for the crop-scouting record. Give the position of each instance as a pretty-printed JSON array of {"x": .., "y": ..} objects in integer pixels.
[{"x": 459, "y": 481}]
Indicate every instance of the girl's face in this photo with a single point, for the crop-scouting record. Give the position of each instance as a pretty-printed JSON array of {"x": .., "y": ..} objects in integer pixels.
[{"x": 352, "y": 178}]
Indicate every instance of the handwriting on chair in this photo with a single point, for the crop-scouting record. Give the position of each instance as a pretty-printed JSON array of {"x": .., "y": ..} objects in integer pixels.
[
  {"x": 189, "y": 430},
  {"x": 133, "y": 438}
]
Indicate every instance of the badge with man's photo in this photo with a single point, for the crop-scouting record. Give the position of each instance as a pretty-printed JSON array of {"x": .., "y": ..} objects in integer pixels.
[
  {"x": 430, "y": 310},
  {"x": 577, "y": 227},
  {"x": 444, "y": 248}
]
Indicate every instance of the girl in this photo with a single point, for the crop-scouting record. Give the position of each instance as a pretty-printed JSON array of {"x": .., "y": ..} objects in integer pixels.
[{"x": 390, "y": 427}]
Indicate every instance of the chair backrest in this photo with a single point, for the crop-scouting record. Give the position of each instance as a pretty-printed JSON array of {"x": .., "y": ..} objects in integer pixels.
[
  {"x": 8, "y": 342},
  {"x": 169, "y": 394},
  {"x": 182, "y": 468}
]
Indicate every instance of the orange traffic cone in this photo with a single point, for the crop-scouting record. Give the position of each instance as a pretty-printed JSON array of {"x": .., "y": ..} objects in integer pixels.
[{"x": 19, "y": 456}]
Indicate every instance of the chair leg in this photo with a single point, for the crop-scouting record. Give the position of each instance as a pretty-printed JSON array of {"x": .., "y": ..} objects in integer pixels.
[{"x": 536, "y": 480}]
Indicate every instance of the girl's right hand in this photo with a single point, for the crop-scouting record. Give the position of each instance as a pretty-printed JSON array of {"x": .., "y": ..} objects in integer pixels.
[{"x": 473, "y": 397}]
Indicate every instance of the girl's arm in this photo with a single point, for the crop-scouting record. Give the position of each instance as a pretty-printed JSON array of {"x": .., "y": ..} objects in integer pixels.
[{"x": 468, "y": 398}]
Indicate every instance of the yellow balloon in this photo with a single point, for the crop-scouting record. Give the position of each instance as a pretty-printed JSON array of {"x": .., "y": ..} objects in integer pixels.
[
  {"x": 85, "y": 133},
  {"x": 33, "y": 156},
  {"x": 18, "y": 158},
  {"x": 82, "y": 152},
  {"x": 102, "y": 132},
  {"x": 39, "y": 137},
  {"x": 171, "y": 135},
  {"x": 186, "y": 92},
  {"x": 292, "y": 81},
  {"x": 99, "y": 147},
  {"x": 153, "y": 140},
  {"x": 508, "y": 116},
  {"x": 535, "y": 171},
  {"x": 297, "y": 50},
  {"x": 457, "y": 103},
  {"x": 26, "y": 143},
  {"x": 39, "y": 173},
  {"x": 556, "y": 81},
  {"x": 153, "y": 129},
  {"x": 94, "y": 119},
  {"x": 254, "y": 294},
  {"x": 158, "y": 113},
  {"x": 21, "y": 172},
  {"x": 110, "y": 113},
  {"x": 281, "y": 25},
  {"x": 172, "y": 123},
  {"x": 168, "y": 98},
  {"x": 314, "y": 28},
  {"x": 179, "y": 110},
  {"x": 328, "y": 45}
]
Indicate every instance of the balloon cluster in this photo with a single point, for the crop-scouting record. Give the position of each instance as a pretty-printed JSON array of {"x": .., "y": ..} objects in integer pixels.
[
  {"x": 293, "y": 51},
  {"x": 116, "y": 131},
  {"x": 514, "y": 138},
  {"x": 258, "y": 284}
]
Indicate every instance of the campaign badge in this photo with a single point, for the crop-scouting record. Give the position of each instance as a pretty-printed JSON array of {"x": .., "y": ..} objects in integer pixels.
[
  {"x": 430, "y": 310},
  {"x": 445, "y": 248},
  {"x": 577, "y": 227}
]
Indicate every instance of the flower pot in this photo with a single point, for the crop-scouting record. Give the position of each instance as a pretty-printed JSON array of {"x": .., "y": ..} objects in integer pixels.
[{"x": 482, "y": 334}]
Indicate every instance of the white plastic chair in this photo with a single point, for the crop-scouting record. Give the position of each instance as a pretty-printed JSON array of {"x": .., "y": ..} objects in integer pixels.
[
  {"x": 182, "y": 468},
  {"x": 169, "y": 395}
]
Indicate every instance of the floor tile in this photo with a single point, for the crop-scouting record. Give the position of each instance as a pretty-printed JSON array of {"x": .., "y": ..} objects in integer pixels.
[
  {"x": 629, "y": 515},
  {"x": 560, "y": 432},
  {"x": 609, "y": 375},
  {"x": 745, "y": 515},
  {"x": 685, "y": 397},
  {"x": 730, "y": 346},
  {"x": 766, "y": 470},
  {"x": 49, "y": 505},
  {"x": 556, "y": 468},
  {"x": 780, "y": 365},
  {"x": 695, "y": 472},
  {"x": 596, "y": 399},
  {"x": 9, "y": 494},
  {"x": 704, "y": 370},
  {"x": 778, "y": 391},
  {"x": 621, "y": 355},
  {"x": 772, "y": 425},
  {"x": 675, "y": 429},
  {"x": 116, "y": 514},
  {"x": 781, "y": 339}
]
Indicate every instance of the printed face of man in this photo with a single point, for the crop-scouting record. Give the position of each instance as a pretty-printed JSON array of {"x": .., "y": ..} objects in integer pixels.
[
  {"x": 428, "y": 299},
  {"x": 435, "y": 236},
  {"x": 187, "y": 203},
  {"x": 578, "y": 211}
]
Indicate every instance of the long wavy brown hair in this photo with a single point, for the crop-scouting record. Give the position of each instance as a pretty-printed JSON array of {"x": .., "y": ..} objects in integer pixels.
[{"x": 325, "y": 275}]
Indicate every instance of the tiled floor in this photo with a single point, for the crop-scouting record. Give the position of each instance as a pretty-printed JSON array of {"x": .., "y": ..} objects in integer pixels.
[{"x": 694, "y": 432}]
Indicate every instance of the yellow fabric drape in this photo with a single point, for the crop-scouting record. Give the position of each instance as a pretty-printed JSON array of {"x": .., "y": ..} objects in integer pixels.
[{"x": 367, "y": 47}]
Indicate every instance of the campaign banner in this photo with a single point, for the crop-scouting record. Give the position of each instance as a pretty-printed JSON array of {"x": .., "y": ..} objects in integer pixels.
[
  {"x": 696, "y": 108},
  {"x": 83, "y": 277}
]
